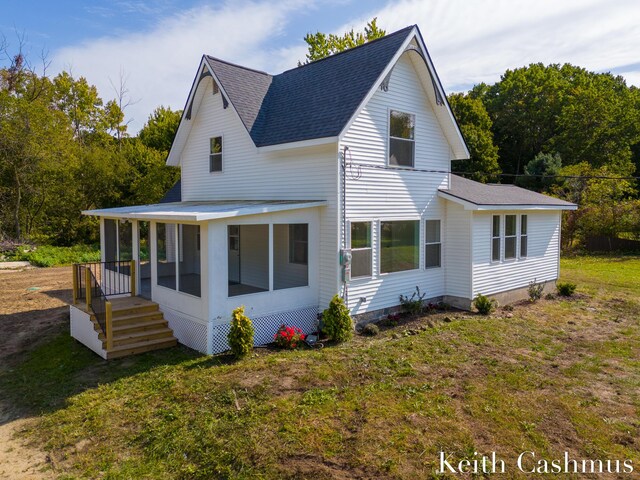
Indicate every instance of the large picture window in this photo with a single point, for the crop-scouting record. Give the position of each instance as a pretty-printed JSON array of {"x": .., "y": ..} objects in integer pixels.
[
  {"x": 401, "y": 139},
  {"x": 495, "y": 238},
  {"x": 360, "y": 249},
  {"x": 399, "y": 245},
  {"x": 215, "y": 154},
  {"x": 509, "y": 237},
  {"x": 433, "y": 244}
]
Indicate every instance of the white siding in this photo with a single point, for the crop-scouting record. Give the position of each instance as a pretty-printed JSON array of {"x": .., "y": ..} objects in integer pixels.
[
  {"x": 458, "y": 251},
  {"x": 300, "y": 174},
  {"x": 376, "y": 193},
  {"x": 540, "y": 265}
]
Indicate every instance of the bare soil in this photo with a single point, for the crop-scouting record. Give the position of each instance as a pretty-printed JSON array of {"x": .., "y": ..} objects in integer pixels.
[{"x": 33, "y": 306}]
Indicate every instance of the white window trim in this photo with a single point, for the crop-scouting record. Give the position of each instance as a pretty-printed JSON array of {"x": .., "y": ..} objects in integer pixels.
[
  {"x": 373, "y": 223},
  {"x": 503, "y": 236},
  {"x": 217, "y": 172},
  {"x": 425, "y": 243},
  {"x": 388, "y": 140},
  {"x": 379, "y": 245}
]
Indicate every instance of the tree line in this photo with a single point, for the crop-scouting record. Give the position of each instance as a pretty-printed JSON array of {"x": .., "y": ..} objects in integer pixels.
[
  {"x": 63, "y": 149},
  {"x": 556, "y": 129}
]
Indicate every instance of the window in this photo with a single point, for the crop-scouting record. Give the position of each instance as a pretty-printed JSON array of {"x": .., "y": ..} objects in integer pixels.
[
  {"x": 215, "y": 154},
  {"x": 248, "y": 266},
  {"x": 189, "y": 255},
  {"x": 166, "y": 254},
  {"x": 495, "y": 239},
  {"x": 523, "y": 236},
  {"x": 401, "y": 139},
  {"x": 299, "y": 243},
  {"x": 433, "y": 244},
  {"x": 399, "y": 246},
  {"x": 287, "y": 274},
  {"x": 509, "y": 237},
  {"x": 360, "y": 249},
  {"x": 234, "y": 238}
]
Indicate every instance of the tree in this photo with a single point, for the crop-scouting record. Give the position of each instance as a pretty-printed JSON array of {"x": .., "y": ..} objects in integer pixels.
[
  {"x": 475, "y": 124},
  {"x": 161, "y": 128},
  {"x": 540, "y": 173},
  {"x": 79, "y": 101},
  {"x": 321, "y": 45}
]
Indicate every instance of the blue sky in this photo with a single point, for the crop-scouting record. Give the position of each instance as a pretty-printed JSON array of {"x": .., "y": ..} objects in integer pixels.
[{"x": 156, "y": 45}]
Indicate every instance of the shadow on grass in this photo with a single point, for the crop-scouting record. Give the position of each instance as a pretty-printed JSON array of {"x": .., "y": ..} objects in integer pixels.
[{"x": 46, "y": 376}]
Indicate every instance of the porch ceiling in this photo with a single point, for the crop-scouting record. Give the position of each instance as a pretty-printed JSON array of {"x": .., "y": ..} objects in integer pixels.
[{"x": 202, "y": 211}]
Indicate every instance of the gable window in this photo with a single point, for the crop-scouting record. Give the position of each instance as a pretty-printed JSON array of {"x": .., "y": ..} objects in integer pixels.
[
  {"x": 523, "y": 236},
  {"x": 360, "y": 249},
  {"x": 401, "y": 139},
  {"x": 509, "y": 237},
  {"x": 299, "y": 243},
  {"x": 432, "y": 251},
  {"x": 495, "y": 239},
  {"x": 399, "y": 245},
  {"x": 215, "y": 154}
]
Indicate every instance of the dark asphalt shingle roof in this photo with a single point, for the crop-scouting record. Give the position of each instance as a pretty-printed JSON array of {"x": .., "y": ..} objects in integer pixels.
[
  {"x": 315, "y": 100},
  {"x": 174, "y": 194},
  {"x": 498, "y": 194}
]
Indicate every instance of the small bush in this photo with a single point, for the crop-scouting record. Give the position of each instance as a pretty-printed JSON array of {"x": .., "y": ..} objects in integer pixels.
[
  {"x": 336, "y": 321},
  {"x": 241, "y": 334},
  {"x": 50, "y": 256},
  {"x": 535, "y": 291},
  {"x": 371, "y": 330},
  {"x": 289, "y": 337},
  {"x": 484, "y": 305},
  {"x": 566, "y": 289},
  {"x": 413, "y": 304}
]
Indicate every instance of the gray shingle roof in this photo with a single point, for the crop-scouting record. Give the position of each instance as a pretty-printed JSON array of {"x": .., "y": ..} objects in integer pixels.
[
  {"x": 499, "y": 195},
  {"x": 315, "y": 100},
  {"x": 174, "y": 194}
]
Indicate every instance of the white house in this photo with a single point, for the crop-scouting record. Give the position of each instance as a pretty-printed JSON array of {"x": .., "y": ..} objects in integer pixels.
[{"x": 329, "y": 178}]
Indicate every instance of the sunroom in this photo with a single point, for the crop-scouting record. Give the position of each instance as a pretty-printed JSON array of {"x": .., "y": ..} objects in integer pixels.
[{"x": 199, "y": 260}]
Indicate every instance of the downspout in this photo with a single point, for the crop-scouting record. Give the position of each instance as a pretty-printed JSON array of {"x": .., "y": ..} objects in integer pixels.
[{"x": 345, "y": 287}]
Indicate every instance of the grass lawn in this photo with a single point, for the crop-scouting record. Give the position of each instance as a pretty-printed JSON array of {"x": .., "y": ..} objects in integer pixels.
[{"x": 559, "y": 375}]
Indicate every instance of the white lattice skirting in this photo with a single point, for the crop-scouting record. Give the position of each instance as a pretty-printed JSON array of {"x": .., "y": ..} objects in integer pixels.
[
  {"x": 266, "y": 327},
  {"x": 189, "y": 332}
]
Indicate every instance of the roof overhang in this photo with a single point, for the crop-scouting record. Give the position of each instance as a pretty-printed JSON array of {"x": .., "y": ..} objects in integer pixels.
[
  {"x": 501, "y": 207},
  {"x": 203, "y": 211},
  {"x": 301, "y": 144}
]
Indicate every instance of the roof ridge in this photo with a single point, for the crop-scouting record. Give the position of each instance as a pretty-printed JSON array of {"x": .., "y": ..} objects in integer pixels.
[
  {"x": 211, "y": 57},
  {"x": 314, "y": 62}
]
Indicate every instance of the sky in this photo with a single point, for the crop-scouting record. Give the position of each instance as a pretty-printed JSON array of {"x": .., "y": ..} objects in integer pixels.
[{"x": 156, "y": 46}]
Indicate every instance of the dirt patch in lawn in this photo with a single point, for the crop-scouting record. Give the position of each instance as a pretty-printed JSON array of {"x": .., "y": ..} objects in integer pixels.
[
  {"x": 33, "y": 304},
  {"x": 17, "y": 459}
]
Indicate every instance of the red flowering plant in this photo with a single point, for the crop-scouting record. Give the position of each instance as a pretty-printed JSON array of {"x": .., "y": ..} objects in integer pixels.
[{"x": 289, "y": 337}]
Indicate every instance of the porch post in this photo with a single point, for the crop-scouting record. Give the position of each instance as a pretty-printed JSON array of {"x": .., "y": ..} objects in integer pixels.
[
  {"x": 135, "y": 256},
  {"x": 87, "y": 286}
]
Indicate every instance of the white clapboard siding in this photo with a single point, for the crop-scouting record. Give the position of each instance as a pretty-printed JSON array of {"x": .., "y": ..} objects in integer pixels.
[
  {"x": 540, "y": 265},
  {"x": 458, "y": 251},
  {"x": 376, "y": 193},
  {"x": 300, "y": 174}
]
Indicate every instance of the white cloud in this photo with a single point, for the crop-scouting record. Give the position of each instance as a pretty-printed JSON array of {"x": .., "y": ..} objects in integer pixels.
[
  {"x": 469, "y": 41},
  {"x": 160, "y": 64},
  {"x": 472, "y": 41}
]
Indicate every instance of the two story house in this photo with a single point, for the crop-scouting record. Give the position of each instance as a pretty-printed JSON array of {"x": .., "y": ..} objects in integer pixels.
[{"x": 330, "y": 178}]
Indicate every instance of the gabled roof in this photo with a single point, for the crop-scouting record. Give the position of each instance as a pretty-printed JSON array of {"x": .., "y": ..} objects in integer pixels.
[
  {"x": 481, "y": 196},
  {"x": 313, "y": 101}
]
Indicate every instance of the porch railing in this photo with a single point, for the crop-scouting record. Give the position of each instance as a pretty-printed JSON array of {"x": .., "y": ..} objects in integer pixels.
[{"x": 94, "y": 282}]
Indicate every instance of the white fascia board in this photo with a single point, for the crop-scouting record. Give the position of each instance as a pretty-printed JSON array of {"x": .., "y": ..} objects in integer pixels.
[
  {"x": 184, "y": 127},
  {"x": 376, "y": 84},
  {"x": 475, "y": 207},
  {"x": 301, "y": 144},
  {"x": 452, "y": 118}
]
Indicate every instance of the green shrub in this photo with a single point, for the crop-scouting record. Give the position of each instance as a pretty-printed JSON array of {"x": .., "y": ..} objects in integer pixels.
[
  {"x": 484, "y": 305},
  {"x": 241, "y": 334},
  {"x": 566, "y": 289},
  {"x": 371, "y": 330},
  {"x": 535, "y": 291},
  {"x": 50, "y": 256},
  {"x": 336, "y": 321},
  {"x": 413, "y": 304}
]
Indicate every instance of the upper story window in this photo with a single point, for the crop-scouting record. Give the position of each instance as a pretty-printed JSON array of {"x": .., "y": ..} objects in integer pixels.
[
  {"x": 215, "y": 154},
  {"x": 401, "y": 139}
]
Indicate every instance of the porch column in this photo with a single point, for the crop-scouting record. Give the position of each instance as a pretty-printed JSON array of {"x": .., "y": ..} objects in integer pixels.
[{"x": 135, "y": 250}]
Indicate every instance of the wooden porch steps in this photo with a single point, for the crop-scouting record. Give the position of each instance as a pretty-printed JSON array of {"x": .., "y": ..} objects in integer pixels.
[{"x": 138, "y": 326}]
